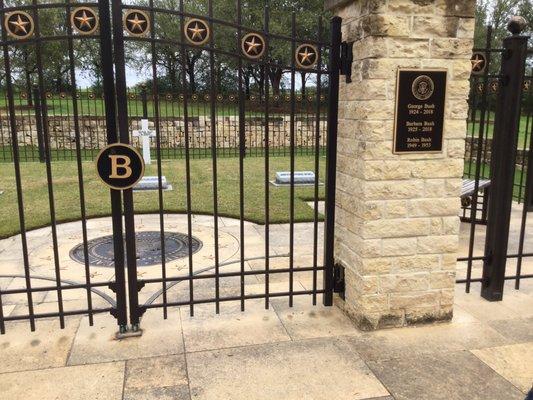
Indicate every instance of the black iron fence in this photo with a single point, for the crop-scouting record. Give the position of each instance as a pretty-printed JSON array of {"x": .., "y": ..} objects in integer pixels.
[
  {"x": 497, "y": 188},
  {"x": 191, "y": 114},
  {"x": 93, "y": 137}
]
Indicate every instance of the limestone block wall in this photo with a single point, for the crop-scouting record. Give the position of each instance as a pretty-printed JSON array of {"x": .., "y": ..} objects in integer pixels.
[
  {"x": 93, "y": 132},
  {"x": 397, "y": 226}
]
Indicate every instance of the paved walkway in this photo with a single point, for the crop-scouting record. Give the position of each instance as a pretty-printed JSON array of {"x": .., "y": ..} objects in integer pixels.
[{"x": 301, "y": 353}]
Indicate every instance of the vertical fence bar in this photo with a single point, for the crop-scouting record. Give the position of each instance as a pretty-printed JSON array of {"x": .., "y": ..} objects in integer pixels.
[
  {"x": 106, "y": 49},
  {"x": 38, "y": 123},
  {"x": 144, "y": 99},
  {"x": 331, "y": 161},
  {"x": 242, "y": 148},
  {"x": 503, "y": 166},
  {"x": 123, "y": 126},
  {"x": 267, "y": 157},
  {"x": 18, "y": 177},
  {"x": 482, "y": 139},
  {"x": 214, "y": 149},
  {"x": 81, "y": 188},
  {"x": 528, "y": 199},
  {"x": 187, "y": 154},
  {"x": 292, "y": 160},
  {"x": 155, "y": 93},
  {"x": 317, "y": 162},
  {"x": 49, "y": 176}
]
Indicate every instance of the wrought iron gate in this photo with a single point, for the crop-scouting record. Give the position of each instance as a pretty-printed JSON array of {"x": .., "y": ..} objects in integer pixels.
[
  {"x": 246, "y": 44},
  {"x": 499, "y": 157}
]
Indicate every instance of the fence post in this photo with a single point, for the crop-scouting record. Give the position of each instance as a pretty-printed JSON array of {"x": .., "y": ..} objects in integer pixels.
[
  {"x": 38, "y": 123},
  {"x": 504, "y": 149},
  {"x": 144, "y": 99}
]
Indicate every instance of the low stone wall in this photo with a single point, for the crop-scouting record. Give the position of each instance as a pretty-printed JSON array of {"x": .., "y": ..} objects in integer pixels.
[
  {"x": 472, "y": 148},
  {"x": 93, "y": 132}
]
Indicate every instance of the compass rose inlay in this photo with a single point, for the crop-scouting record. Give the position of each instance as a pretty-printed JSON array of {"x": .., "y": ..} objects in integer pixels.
[
  {"x": 19, "y": 24},
  {"x": 136, "y": 23},
  {"x": 479, "y": 63},
  {"x": 306, "y": 56},
  {"x": 84, "y": 20},
  {"x": 253, "y": 46},
  {"x": 197, "y": 31}
]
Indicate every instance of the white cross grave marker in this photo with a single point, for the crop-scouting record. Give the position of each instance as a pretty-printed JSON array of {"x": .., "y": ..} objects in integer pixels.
[{"x": 146, "y": 134}]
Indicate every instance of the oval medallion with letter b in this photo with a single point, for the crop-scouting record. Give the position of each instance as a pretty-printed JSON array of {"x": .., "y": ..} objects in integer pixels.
[{"x": 120, "y": 166}]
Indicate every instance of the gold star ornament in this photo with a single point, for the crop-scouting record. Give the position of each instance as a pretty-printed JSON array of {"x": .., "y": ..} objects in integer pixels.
[
  {"x": 84, "y": 20},
  {"x": 479, "y": 63},
  {"x": 306, "y": 56},
  {"x": 19, "y": 25},
  {"x": 197, "y": 31},
  {"x": 253, "y": 46},
  {"x": 136, "y": 23}
]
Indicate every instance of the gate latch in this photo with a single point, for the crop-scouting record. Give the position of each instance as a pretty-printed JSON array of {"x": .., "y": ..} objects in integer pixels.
[
  {"x": 339, "y": 285},
  {"x": 347, "y": 60}
]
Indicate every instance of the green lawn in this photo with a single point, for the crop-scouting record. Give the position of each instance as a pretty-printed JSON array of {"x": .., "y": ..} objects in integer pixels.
[
  {"x": 167, "y": 108},
  {"x": 524, "y": 131},
  {"x": 37, "y": 211}
]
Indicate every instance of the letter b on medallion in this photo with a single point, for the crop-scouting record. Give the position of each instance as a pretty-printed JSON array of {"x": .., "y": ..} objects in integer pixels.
[{"x": 120, "y": 166}]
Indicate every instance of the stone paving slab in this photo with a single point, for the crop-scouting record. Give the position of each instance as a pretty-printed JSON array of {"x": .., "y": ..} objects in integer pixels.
[
  {"x": 517, "y": 330},
  {"x": 304, "y": 321},
  {"x": 403, "y": 342},
  {"x": 48, "y": 347},
  {"x": 156, "y": 378},
  {"x": 514, "y": 363},
  {"x": 206, "y": 331},
  {"x": 443, "y": 376},
  {"x": 311, "y": 369},
  {"x": 98, "y": 344},
  {"x": 95, "y": 382}
]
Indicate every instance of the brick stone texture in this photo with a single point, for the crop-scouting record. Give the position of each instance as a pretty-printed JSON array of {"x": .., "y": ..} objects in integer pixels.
[{"x": 397, "y": 229}]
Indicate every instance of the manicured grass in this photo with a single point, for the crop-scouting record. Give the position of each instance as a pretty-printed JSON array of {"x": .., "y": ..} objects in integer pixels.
[
  {"x": 67, "y": 199},
  {"x": 523, "y": 133},
  {"x": 167, "y": 108},
  {"x": 95, "y": 107}
]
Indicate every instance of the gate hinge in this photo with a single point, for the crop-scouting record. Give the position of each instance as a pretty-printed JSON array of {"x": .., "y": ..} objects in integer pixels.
[
  {"x": 347, "y": 60},
  {"x": 339, "y": 285}
]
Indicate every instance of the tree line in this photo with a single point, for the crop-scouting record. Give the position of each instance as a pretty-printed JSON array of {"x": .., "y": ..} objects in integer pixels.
[{"x": 173, "y": 69}]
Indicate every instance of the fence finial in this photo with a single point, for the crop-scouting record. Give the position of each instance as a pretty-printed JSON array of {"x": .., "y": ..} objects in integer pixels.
[{"x": 516, "y": 24}]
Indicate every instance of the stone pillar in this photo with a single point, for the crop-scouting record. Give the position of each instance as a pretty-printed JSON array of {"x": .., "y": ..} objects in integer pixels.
[{"x": 397, "y": 229}]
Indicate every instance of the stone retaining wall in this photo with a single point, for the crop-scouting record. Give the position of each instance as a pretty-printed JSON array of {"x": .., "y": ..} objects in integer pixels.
[
  {"x": 93, "y": 132},
  {"x": 472, "y": 146}
]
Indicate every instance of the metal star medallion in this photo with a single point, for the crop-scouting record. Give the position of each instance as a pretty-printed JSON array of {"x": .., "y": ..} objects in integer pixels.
[
  {"x": 479, "y": 63},
  {"x": 253, "y": 46},
  {"x": 84, "y": 20},
  {"x": 197, "y": 31},
  {"x": 19, "y": 25},
  {"x": 136, "y": 22},
  {"x": 306, "y": 56}
]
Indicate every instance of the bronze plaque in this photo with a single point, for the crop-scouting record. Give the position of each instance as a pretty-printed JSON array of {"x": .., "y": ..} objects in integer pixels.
[{"x": 420, "y": 107}]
